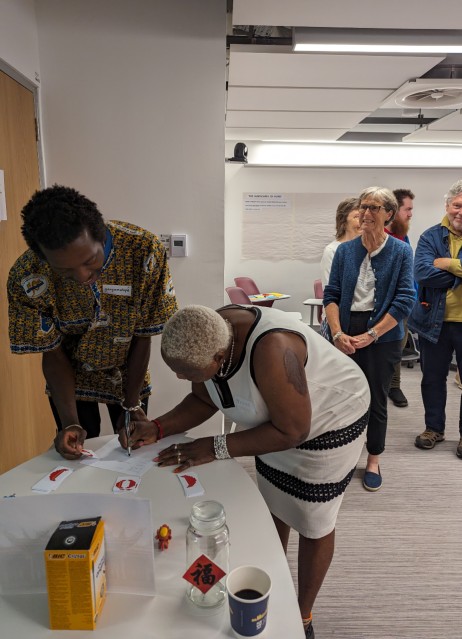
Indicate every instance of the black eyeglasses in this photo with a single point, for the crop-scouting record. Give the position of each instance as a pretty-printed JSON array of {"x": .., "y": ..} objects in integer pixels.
[{"x": 373, "y": 208}]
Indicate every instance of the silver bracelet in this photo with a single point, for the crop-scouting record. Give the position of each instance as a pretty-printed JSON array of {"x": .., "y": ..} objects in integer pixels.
[
  {"x": 73, "y": 426},
  {"x": 336, "y": 336},
  {"x": 220, "y": 447},
  {"x": 132, "y": 409}
]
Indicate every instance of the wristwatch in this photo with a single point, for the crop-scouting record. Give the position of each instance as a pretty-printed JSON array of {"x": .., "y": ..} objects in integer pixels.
[{"x": 372, "y": 332}]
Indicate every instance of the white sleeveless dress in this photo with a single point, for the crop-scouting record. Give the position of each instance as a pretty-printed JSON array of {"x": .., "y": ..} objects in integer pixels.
[{"x": 302, "y": 486}]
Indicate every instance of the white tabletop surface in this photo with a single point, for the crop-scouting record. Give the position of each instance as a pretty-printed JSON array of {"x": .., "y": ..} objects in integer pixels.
[
  {"x": 313, "y": 301},
  {"x": 268, "y": 297},
  {"x": 167, "y": 615}
]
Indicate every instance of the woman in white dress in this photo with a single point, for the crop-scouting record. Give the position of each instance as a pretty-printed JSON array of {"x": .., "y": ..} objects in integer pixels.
[
  {"x": 347, "y": 227},
  {"x": 301, "y": 407}
]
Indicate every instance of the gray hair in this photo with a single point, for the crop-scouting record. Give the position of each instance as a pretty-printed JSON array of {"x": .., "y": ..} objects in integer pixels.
[
  {"x": 194, "y": 335},
  {"x": 389, "y": 202},
  {"x": 454, "y": 191}
]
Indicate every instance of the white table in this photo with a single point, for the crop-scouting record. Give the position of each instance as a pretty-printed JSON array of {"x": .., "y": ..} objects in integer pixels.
[
  {"x": 268, "y": 297},
  {"x": 167, "y": 615},
  {"x": 314, "y": 303}
]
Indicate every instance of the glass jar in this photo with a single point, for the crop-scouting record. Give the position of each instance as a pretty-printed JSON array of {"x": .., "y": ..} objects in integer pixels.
[{"x": 207, "y": 535}]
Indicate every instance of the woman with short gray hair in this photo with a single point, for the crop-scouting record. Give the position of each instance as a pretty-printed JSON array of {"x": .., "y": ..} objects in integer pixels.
[
  {"x": 301, "y": 407},
  {"x": 370, "y": 293}
]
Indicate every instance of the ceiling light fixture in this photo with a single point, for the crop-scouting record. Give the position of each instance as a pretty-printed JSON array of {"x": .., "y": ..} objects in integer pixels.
[{"x": 404, "y": 41}]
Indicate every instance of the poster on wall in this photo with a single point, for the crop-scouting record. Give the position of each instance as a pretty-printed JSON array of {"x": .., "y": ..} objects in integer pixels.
[
  {"x": 3, "y": 215},
  {"x": 288, "y": 226}
]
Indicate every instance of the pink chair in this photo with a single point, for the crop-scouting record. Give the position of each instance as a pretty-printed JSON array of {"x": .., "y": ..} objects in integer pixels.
[
  {"x": 319, "y": 294},
  {"x": 237, "y": 295},
  {"x": 248, "y": 285}
]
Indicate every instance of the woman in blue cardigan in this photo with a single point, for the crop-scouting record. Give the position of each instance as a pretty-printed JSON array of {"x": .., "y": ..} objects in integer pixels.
[{"x": 370, "y": 292}]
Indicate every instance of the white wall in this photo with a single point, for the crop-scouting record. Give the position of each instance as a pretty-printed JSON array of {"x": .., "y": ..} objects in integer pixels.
[
  {"x": 295, "y": 276},
  {"x": 18, "y": 37},
  {"x": 133, "y": 116}
]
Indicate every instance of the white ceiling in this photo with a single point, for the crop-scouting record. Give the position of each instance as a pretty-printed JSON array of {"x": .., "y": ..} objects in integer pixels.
[{"x": 275, "y": 94}]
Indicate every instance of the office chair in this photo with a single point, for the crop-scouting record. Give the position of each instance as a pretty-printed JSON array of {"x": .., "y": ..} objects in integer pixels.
[
  {"x": 411, "y": 351},
  {"x": 319, "y": 294},
  {"x": 248, "y": 285},
  {"x": 237, "y": 295}
]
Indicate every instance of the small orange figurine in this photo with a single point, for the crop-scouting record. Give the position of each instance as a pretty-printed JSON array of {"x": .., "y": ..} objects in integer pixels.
[{"x": 164, "y": 534}]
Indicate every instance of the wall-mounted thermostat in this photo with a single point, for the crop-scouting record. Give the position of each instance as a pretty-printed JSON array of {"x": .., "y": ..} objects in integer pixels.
[{"x": 178, "y": 246}]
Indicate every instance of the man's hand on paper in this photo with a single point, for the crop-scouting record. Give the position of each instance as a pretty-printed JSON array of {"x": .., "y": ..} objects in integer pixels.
[
  {"x": 142, "y": 431},
  {"x": 69, "y": 442}
]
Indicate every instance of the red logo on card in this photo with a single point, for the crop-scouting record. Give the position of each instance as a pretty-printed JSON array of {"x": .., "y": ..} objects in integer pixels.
[
  {"x": 203, "y": 574},
  {"x": 189, "y": 480},
  {"x": 56, "y": 473},
  {"x": 126, "y": 484}
]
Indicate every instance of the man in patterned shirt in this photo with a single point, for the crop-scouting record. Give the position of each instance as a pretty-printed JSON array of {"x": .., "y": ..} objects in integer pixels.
[{"x": 88, "y": 295}]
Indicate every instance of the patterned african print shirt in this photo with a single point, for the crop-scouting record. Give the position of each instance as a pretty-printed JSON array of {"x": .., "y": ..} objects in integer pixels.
[{"x": 133, "y": 296}]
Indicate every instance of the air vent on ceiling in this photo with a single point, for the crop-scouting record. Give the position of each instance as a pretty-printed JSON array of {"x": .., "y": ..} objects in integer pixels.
[{"x": 427, "y": 93}]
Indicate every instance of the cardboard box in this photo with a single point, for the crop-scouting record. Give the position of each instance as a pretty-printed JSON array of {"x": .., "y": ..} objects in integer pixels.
[{"x": 76, "y": 574}]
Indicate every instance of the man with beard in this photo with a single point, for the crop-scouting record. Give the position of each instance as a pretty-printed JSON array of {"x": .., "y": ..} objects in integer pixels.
[{"x": 399, "y": 228}]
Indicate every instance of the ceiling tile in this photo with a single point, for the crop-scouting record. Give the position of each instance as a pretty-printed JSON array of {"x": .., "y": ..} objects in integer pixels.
[
  {"x": 427, "y": 135},
  {"x": 292, "y": 135},
  {"x": 253, "y": 68},
  {"x": 294, "y": 120},
  {"x": 411, "y": 14},
  {"x": 276, "y": 99},
  {"x": 451, "y": 122}
]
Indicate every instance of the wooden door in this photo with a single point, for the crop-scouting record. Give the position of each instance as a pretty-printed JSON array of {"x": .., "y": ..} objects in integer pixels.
[{"x": 26, "y": 423}]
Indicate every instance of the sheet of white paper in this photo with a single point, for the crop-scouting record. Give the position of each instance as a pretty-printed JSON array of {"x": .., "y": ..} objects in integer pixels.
[
  {"x": 27, "y": 523},
  {"x": 3, "y": 214},
  {"x": 112, "y": 457}
]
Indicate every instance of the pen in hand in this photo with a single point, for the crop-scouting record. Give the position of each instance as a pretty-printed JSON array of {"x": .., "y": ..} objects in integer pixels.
[{"x": 127, "y": 432}]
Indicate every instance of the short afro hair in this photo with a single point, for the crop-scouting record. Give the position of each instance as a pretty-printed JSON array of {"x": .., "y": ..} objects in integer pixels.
[
  {"x": 194, "y": 335},
  {"x": 56, "y": 216}
]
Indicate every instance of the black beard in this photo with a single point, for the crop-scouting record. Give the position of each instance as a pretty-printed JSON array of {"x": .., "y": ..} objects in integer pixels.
[{"x": 399, "y": 228}]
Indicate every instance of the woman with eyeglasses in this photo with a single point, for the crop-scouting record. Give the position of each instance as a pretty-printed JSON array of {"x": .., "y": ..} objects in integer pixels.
[{"x": 370, "y": 292}]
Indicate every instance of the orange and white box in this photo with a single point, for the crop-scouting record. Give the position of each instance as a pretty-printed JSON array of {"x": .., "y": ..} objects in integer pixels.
[{"x": 76, "y": 574}]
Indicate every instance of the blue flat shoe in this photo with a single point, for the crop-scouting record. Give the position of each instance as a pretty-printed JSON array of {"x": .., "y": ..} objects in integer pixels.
[{"x": 372, "y": 481}]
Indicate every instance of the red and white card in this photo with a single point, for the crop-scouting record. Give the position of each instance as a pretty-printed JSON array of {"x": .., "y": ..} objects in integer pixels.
[
  {"x": 191, "y": 484},
  {"x": 89, "y": 454},
  {"x": 126, "y": 484},
  {"x": 51, "y": 481}
]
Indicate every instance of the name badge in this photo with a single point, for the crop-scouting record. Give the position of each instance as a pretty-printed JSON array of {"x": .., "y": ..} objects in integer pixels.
[{"x": 117, "y": 289}]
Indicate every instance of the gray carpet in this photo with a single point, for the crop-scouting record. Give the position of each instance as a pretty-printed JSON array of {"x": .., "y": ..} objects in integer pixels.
[{"x": 397, "y": 571}]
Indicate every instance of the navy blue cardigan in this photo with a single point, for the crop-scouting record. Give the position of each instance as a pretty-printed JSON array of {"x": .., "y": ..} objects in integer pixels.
[{"x": 394, "y": 284}]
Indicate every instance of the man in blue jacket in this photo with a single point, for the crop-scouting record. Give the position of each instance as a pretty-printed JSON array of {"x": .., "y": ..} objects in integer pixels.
[{"x": 437, "y": 314}]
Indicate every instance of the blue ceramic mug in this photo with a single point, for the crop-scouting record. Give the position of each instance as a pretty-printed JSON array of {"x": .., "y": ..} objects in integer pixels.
[{"x": 248, "y": 593}]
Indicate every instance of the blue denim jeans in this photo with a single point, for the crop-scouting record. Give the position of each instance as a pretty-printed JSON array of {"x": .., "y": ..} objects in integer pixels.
[{"x": 434, "y": 362}]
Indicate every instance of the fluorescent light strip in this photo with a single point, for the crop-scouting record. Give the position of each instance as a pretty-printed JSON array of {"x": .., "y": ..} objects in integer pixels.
[
  {"x": 376, "y": 48},
  {"x": 413, "y": 41}
]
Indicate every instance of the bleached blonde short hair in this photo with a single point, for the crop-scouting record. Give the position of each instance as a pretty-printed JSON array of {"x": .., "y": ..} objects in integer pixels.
[{"x": 194, "y": 335}]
